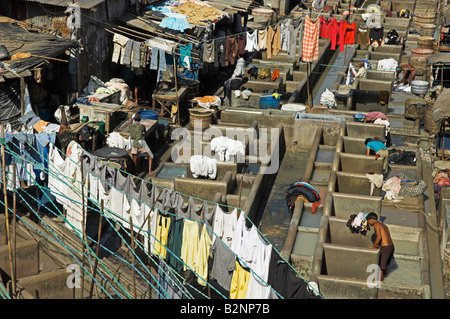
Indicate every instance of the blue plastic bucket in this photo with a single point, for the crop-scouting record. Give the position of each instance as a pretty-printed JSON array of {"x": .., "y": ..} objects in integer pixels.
[
  {"x": 269, "y": 101},
  {"x": 148, "y": 114}
]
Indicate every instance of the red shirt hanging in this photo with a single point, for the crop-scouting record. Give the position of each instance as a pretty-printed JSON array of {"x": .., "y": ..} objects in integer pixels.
[
  {"x": 324, "y": 27},
  {"x": 336, "y": 34},
  {"x": 349, "y": 31}
]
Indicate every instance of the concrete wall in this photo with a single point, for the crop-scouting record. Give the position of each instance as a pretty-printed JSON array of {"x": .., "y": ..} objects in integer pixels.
[
  {"x": 356, "y": 260},
  {"x": 364, "y": 130},
  {"x": 51, "y": 285},
  {"x": 355, "y": 183},
  {"x": 27, "y": 258},
  {"x": 345, "y": 205},
  {"x": 355, "y": 163}
]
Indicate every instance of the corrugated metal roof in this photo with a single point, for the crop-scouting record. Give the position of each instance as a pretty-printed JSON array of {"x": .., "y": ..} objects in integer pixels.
[{"x": 84, "y": 4}]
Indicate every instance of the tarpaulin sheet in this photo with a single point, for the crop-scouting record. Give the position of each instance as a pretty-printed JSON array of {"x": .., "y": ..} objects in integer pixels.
[{"x": 9, "y": 101}]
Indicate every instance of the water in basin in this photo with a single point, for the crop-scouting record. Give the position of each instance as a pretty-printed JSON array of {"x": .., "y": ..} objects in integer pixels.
[
  {"x": 171, "y": 172},
  {"x": 325, "y": 156},
  {"x": 305, "y": 243}
]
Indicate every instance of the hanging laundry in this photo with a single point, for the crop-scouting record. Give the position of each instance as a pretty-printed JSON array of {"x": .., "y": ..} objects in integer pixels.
[
  {"x": 251, "y": 43},
  {"x": 310, "y": 45},
  {"x": 239, "y": 282},
  {"x": 158, "y": 59},
  {"x": 362, "y": 36},
  {"x": 223, "y": 263},
  {"x": 241, "y": 43},
  {"x": 285, "y": 27},
  {"x": 220, "y": 48},
  {"x": 262, "y": 39},
  {"x": 273, "y": 41},
  {"x": 201, "y": 263},
  {"x": 349, "y": 32},
  {"x": 325, "y": 27},
  {"x": 231, "y": 50},
  {"x": 224, "y": 224},
  {"x": 295, "y": 34},
  {"x": 336, "y": 34},
  {"x": 136, "y": 54},
  {"x": 258, "y": 287},
  {"x": 184, "y": 57},
  {"x": 376, "y": 36},
  {"x": 209, "y": 51},
  {"x": 119, "y": 42}
]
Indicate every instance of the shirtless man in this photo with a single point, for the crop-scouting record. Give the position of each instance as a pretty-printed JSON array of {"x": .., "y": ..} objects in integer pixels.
[{"x": 383, "y": 241}]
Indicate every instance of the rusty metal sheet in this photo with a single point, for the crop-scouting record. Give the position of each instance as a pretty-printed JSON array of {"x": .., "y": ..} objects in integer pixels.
[{"x": 84, "y": 4}]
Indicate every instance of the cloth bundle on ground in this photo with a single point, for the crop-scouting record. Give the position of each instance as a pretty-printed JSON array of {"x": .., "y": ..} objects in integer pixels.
[
  {"x": 208, "y": 101},
  {"x": 404, "y": 184},
  {"x": 358, "y": 224},
  {"x": 327, "y": 98},
  {"x": 402, "y": 157},
  {"x": 304, "y": 191},
  {"x": 203, "y": 166}
]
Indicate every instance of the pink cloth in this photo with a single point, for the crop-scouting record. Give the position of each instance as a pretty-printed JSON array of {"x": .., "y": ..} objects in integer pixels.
[{"x": 372, "y": 116}]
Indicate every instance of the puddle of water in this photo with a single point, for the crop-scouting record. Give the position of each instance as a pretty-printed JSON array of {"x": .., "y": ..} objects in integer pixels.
[
  {"x": 406, "y": 247},
  {"x": 171, "y": 172},
  {"x": 253, "y": 168},
  {"x": 305, "y": 243},
  {"x": 325, "y": 156}
]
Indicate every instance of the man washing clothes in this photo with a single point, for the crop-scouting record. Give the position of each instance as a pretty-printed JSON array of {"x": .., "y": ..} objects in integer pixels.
[
  {"x": 379, "y": 149},
  {"x": 383, "y": 241},
  {"x": 138, "y": 143}
]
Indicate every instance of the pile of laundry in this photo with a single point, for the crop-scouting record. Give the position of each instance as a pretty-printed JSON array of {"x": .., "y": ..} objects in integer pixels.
[
  {"x": 205, "y": 166},
  {"x": 358, "y": 224},
  {"x": 404, "y": 184},
  {"x": 304, "y": 191},
  {"x": 402, "y": 157},
  {"x": 327, "y": 98},
  {"x": 227, "y": 148}
]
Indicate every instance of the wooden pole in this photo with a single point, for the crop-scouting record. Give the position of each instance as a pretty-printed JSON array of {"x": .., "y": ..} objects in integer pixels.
[
  {"x": 176, "y": 89},
  {"x": 133, "y": 258},
  {"x": 22, "y": 95},
  {"x": 83, "y": 224},
  {"x": 5, "y": 193},
  {"x": 14, "y": 220},
  {"x": 97, "y": 251}
]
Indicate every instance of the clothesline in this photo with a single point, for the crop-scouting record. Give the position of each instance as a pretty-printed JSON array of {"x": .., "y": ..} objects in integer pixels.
[{"x": 205, "y": 224}]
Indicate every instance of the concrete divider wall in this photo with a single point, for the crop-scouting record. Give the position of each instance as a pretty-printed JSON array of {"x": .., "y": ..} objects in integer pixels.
[
  {"x": 340, "y": 234},
  {"x": 27, "y": 259},
  {"x": 355, "y": 183},
  {"x": 3, "y": 233},
  {"x": 364, "y": 130},
  {"x": 356, "y": 260},
  {"x": 51, "y": 285},
  {"x": 356, "y": 163},
  {"x": 345, "y": 205}
]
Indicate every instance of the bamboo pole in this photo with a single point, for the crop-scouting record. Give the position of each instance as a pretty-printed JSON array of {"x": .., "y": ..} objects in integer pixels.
[
  {"x": 83, "y": 224},
  {"x": 97, "y": 251},
  {"x": 5, "y": 193},
  {"x": 14, "y": 222},
  {"x": 176, "y": 89},
  {"x": 133, "y": 258}
]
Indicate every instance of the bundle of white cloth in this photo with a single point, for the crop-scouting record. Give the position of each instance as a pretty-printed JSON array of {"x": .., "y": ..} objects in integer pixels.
[
  {"x": 327, "y": 98},
  {"x": 203, "y": 166},
  {"x": 226, "y": 147},
  {"x": 389, "y": 64}
]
